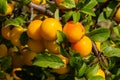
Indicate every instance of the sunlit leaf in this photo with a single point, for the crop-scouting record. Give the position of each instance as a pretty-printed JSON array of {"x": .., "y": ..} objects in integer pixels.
[
  {"x": 68, "y": 4},
  {"x": 3, "y": 6},
  {"x": 82, "y": 69},
  {"x": 18, "y": 21},
  {"x": 111, "y": 52},
  {"x": 97, "y": 78},
  {"x": 67, "y": 16},
  {"x": 56, "y": 14},
  {"x": 76, "y": 16},
  {"x": 48, "y": 60},
  {"x": 25, "y": 1},
  {"x": 91, "y": 71},
  {"x": 88, "y": 8},
  {"x": 100, "y": 34}
]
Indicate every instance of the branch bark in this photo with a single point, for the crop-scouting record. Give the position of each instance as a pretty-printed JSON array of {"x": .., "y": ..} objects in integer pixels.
[{"x": 42, "y": 8}]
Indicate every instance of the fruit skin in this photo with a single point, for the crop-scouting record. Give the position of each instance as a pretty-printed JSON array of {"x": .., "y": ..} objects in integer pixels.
[
  {"x": 59, "y": 5},
  {"x": 39, "y": 1},
  {"x": 100, "y": 72},
  {"x": 40, "y": 16},
  {"x": 28, "y": 56},
  {"x": 98, "y": 45},
  {"x": 36, "y": 1},
  {"x": 5, "y": 31},
  {"x": 10, "y": 8},
  {"x": 117, "y": 15},
  {"x": 17, "y": 60},
  {"x": 83, "y": 46},
  {"x": 35, "y": 45},
  {"x": 33, "y": 30},
  {"x": 63, "y": 69},
  {"x": 52, "y": 46},
  {"x": 49, "y": 28},
  {"x": 73, "y": 31},
  {"x": 64, "y": 59},
  {"x": 15, "y": 35},
  {"x": 3, "y": 50},
  {"x": 7, "y": 76}
]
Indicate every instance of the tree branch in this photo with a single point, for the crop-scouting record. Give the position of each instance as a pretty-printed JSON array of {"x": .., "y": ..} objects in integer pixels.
[{"x": 42, "y": 8}]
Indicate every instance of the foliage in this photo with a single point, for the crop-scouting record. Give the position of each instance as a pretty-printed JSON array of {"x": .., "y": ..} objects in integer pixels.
[{"x": 98, "y": 19}]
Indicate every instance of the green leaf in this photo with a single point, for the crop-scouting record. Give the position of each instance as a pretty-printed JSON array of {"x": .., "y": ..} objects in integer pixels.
[
  {"x": 9, "y": 1},
  {"x": 67, "y": 16},
  {"x": 110, "y": 9},
  {"x": 25, "y": 2},
  {"x": 91, "y": 71},
  {"x": 19, "y": 21},
  {"x": 3, "y": 6},
  {"x": 101, "y": 17},
  {"x": 100, "y": 34},
  {"x": 48, "y": 60},
  {"x": 52, "y": 7},
  {"x": 101, "y": 1},
  {"x": 56, "y": 14},
  {"x": 82, "y": 69},
  {"x": 88, "y": 11},
  {"x": 68, "y": 4},
  {"x": 91, "y": 4},
  {"x": 88, "y": 8},
  {"x": 76, "y": 16},
  {"x": 96, "y": 78},
  {"x": 75, "y": 61},
  {"x": 111, "y": 51},
  {"x": 76, "y": 78},
  {"x": 2, "y": 75},
  {"x": 6, "y": 62},
  {"x": 62, "y": 50},
  {"x": 61, "y": 37},
  {"x": 24, "y": 38},
  {"x": 116, "y": 31}
]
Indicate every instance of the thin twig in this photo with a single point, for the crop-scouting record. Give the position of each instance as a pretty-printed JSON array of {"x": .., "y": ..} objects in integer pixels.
[
  {"x": 42, "y": 8},
  {"x": 94, "y": 49},
  {"x": 31, "y": 16}
]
